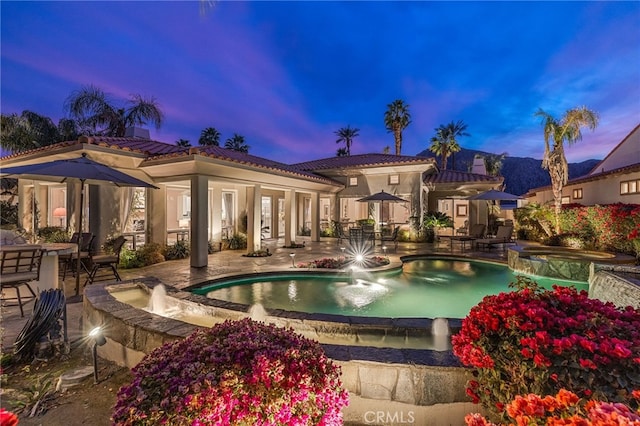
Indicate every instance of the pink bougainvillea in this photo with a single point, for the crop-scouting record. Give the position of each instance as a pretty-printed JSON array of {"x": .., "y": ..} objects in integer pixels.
[{"x": 236, "y": 373}]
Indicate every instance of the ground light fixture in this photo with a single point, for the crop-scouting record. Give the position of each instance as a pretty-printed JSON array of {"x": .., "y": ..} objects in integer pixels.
[
  {"x": 293, "y": 261},
  {"x": 384, "y": 250},
  {"x": 98, "y": 340}
]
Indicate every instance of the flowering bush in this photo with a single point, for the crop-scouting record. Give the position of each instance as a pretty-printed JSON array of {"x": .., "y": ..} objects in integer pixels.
[
  {"x": 564, "y": 409},
  {"x": 238, "y": 372},
  {"x": 539, "y": 341},
  {"x": 7, "y": 418},
  {"x": 342, "y": 262}
]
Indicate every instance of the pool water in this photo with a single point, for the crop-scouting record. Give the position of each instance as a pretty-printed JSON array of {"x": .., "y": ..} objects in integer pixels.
[{"x": 425, "y": 288}]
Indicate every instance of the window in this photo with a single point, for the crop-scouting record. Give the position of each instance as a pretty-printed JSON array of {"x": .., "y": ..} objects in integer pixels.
[
  {"x": 629, "y": 187},
  {"x": 394, "y": 179},
  {"x": 577, "y": 194},
  {"x": 566, "y": 200},
  {"x": 353, "y": 181},
  {"x": 461, "y": 210}
]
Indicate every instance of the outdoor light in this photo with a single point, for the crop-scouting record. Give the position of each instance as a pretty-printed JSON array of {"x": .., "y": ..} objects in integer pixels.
[
  {"x": 342, "y": 249},
  {"x": 293, "y": 262},
  {"x": 98, "y": 340},
  {"x": 384, "y": 250},
  {"x": 359, "y": 258}
]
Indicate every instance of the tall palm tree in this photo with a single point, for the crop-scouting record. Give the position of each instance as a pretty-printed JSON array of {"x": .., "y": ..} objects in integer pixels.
[
  {"x": 237, "y": 143},
  {"x": 209, "y": 137},
  {"x": 185, "y": 143},
  {"x": 346, "y": 135},
  {"x": 494, "y": 162},
  {"x": 396, "y": 119},
  {"x": 556, "y": 132},
  {"x": 444, "y": 143},
  {"x": 96, "y": 114}
]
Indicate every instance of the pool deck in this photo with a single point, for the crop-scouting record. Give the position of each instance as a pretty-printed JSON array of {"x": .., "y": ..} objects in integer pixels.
[{"x": 179, "y": 274}]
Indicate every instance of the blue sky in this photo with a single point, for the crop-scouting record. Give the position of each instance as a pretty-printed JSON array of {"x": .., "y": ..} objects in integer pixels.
[{"x": 287, "y": 75}]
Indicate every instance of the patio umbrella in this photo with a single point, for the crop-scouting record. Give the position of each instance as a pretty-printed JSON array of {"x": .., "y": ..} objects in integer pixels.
[
  {"x": 494, "y": 195},
  {"x": 83, "y": 169},
  {"x": 382, "y": 197}
]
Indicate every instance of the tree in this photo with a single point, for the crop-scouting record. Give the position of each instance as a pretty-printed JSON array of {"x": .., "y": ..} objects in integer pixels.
[
  {"x": 27, "y": 131},
  {"x": 237, "y": 143},
  {"x": 97, "y": 115},
  {"x": 209, "y": 137},
  {"x": 444, "y": 143},
  {"x": 346, "y": 135},
  {"x": 396, "y": 119},
  {"x": 493, "y": 163},
  {"x": 183, "y": 143},
  {"x": 342, "y": 152},
  {"x": 556, "y": 132}
]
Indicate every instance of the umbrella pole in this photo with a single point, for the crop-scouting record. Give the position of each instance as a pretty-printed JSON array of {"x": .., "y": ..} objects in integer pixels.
[{"x": 79, "y": 261}]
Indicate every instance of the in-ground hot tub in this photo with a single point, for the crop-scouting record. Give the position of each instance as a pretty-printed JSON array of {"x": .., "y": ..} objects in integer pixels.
[{"x": 559, "y": 262}]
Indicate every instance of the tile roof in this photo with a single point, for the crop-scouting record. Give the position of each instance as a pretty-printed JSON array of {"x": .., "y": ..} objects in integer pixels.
[
  {"x": 454, "y": 176},
  {"x": 248, "y": 159},
  {"x": 362, "y": 160},
  {"x": 588, "y": 178}
]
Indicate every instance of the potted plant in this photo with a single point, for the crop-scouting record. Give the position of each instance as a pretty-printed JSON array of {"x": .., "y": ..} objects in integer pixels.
[{"x": 433, "y": 220}]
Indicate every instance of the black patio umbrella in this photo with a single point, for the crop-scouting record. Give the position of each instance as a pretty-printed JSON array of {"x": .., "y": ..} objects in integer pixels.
[
  {"x": 382, "y": 197},
  {"x": 81, "y": 168}
]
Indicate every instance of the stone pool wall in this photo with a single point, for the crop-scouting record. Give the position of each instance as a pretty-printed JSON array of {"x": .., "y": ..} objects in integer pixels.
[
  {"x": 618, "y": 284},
  {"x": 386, "y": 386}
]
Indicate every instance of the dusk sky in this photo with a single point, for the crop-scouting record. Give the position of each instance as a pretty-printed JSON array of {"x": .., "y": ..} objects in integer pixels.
[{"x": 287, "y": 75}]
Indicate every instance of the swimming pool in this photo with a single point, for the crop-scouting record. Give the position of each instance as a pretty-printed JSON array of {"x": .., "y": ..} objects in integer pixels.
[{"x": 423, "y": 288}]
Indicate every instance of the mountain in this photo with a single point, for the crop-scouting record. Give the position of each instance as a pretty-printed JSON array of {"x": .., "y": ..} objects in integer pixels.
[{"x": 520, "y": 173}]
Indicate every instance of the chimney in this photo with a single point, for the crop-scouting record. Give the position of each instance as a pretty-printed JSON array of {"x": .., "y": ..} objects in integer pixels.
[
  {"x": 136, "y": 133},
  {"x": 479, "y": 166}
]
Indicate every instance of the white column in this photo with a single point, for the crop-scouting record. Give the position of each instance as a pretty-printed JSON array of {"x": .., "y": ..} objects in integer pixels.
[
  {"x": 254, "y": 213},
  {"x": 289, "y": 217},
  {"x": 199, "y": 215},
  {"x": 315, "y": 216},
  {"x": 156, "y": 215},
  {"x": 216, "y": 214}
]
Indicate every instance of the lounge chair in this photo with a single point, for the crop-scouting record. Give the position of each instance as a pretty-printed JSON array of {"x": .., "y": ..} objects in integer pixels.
[
  {"x": 476, "y": 232},
  {"x": 503, "y": 237}
]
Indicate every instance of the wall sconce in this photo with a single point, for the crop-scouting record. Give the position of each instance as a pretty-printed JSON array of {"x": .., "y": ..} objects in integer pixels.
[
  {"x": 60, "y": 213},
  {"x": 98, "y": 340}
]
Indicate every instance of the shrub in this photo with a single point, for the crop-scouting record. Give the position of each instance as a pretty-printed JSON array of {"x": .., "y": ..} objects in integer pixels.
[
  {"x": 539, "y": 341},
  {"x": 179, "y": 250},
  {"x": 148, "y": 254},
  {"x": 53, "y": 234},
  {"x": 238, "y": 241},
  {"x": 565, "y": 408},
  {"x": 238, "y": 372}
]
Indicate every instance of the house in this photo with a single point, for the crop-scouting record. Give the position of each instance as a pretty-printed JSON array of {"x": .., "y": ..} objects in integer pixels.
[
  {"x": 616, "y": 179},
  {"x": 209, "y": 193}
]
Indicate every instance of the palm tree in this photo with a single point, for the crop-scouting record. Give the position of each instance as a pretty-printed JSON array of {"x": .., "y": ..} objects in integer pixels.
[
  {"x": 97, "y": 115},
  {"x": 342, "y": 152},
  {"x": 556, "y": 132},
  {"x": 237, "y": 143},
  {"x": 209, "y": 137},
  {"x": 346, "y": 135},
  {"x": 444, "y": 143},
  {"x": 185, "y": 143},
  {"x": 26, "y": 131},
  {"x": 396, "y": 119},
  {"x": 493, "y": 163}
]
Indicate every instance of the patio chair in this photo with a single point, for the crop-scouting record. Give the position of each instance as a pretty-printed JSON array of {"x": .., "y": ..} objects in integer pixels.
[
  {"x": 106, "y": 261},
  {"x": 503, "y": 237},
  {"x": 70, "y": 261},
  {"x": 338, "y": 230},
  {"x": 19, "y": 266},
  {"x": 393, "y": 237}
]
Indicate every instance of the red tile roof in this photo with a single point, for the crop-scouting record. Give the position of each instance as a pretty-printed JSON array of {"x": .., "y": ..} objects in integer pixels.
[
  {"x": 454, "y": 176},
  {"x": 363, "y": 160}
]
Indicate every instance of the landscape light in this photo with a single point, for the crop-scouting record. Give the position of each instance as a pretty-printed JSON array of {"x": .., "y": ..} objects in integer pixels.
[
  {"x": 293, "y": 262},
  {"x": 98, "y": 340}
]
